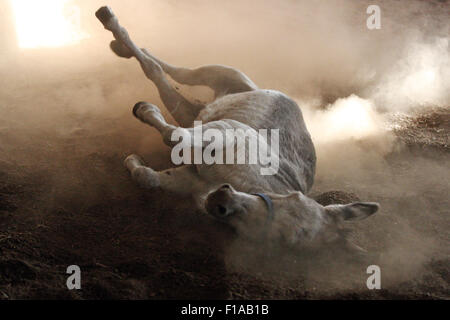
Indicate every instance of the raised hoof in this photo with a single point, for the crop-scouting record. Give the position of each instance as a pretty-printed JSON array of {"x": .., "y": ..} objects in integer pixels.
[
  {"x": 136, "y": 107},
  {"x": 120, "y": 50},
  {"x": 104, "y": 14},
  {"x": 140, "y": 106},
  {"x": 132, "y": 161}
]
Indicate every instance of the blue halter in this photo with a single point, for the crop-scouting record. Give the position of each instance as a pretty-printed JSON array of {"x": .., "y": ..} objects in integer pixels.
[{"x": 269, "y": 204}]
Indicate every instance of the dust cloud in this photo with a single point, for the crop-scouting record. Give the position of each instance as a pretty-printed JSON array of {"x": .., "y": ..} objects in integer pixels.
[{"x": 62, "y": 107}]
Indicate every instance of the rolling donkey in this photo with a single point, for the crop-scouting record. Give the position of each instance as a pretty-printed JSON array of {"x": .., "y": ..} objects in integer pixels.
[{"x": 253, "y": 204}]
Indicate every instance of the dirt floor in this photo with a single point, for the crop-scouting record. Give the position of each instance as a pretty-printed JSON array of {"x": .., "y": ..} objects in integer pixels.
[
  {"x": 135, "y": 244},
  {"x": 66, "y": 125}
]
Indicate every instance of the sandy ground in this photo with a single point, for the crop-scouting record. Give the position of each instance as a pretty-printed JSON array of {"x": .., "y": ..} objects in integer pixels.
[
  {"x": 136, "y": 244},
  {"x": 66, "y": 126}
]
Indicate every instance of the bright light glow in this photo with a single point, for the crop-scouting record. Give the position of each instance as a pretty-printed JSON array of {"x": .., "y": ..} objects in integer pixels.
[
  {"x": 419, "y": 78},
  {"x": 419, "y": 83},
  {"x": 351, "y": 117},
  {"x": 47, "y": 23}
]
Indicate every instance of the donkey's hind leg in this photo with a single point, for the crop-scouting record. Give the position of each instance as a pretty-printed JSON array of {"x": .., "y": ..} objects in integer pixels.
[
  {"x": 183, "y": 111},
  {"x": 222, "y": 79}
]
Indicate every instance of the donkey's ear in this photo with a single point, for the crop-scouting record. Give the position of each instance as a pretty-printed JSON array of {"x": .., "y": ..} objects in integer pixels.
[{"x": 353, "y": 211}]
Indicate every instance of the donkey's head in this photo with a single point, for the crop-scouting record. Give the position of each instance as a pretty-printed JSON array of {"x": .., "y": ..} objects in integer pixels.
[{"x": 293, "y": 218}]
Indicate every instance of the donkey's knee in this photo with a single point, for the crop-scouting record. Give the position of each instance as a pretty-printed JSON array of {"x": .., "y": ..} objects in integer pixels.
[{"x": 120, "y": 50}]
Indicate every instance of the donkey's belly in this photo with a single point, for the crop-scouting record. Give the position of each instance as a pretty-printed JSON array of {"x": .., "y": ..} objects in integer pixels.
[{"x": 252, "y": 108}]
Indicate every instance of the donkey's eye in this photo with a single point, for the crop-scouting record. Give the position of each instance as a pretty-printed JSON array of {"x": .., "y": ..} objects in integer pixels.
[{"x": 222, "y": 209}]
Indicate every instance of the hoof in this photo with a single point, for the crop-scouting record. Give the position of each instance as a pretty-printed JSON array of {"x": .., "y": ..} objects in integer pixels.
[
  {"x": 133, "y": 161},
  {"x": 120, "y": 50},
  {"x": 136, "y": 107},
  {"x": 105, "y": 14},
  {"x": 140, "y": 106}
]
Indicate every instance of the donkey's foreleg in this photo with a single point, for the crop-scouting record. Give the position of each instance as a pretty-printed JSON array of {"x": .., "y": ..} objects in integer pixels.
[
  {"x": 144, "y": 176},
  {"x": 151, "y": 115},
  {"x": 181, "y": 180},
  {"x": 181, "y": 109}
]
